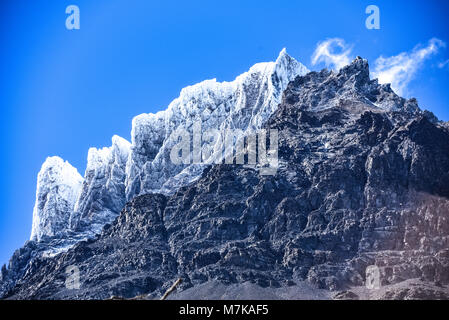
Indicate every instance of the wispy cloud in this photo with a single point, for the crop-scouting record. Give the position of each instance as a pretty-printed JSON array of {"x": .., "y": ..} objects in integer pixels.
[
  {"x": 334, "y": 53},
  {"x": 399, "y": 70},
  {"x": 443, "y": 64}
]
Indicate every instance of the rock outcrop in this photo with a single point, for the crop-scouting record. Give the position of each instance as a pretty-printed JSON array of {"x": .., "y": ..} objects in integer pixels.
[
  {"x": 245, "y": 103},
  {"x": 102, "y": 195},
  {"x": 58, "y": 184},
  {"x": 117, "y": 174},
  {"x": 363, "y": 179}
]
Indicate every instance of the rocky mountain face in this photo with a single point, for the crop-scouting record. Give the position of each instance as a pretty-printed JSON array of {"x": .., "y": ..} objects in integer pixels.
[
  {"x": 117, "y": 174},
  {"x": 58, "y": 184},
  {"x": 245, "y": 104},
  {"x": 102, "y": 194},
  {"x": 70, "y": 208},
  {"x": 363, "y": 179}
]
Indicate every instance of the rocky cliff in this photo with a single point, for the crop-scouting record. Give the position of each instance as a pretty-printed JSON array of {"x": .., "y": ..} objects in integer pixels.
[
  {"x": 117, "y": 174},
  {"x": 363, "y": 179}
]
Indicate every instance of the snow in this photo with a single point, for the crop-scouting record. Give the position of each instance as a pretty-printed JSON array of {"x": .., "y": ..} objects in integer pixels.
[
  {"x": 98, "y": 158},
  {"x": 103, "y": 193},
  {"x": 245, "y": 103},
  {"x": 67, "y": 204},
  {"x": 58, "y": 185}
]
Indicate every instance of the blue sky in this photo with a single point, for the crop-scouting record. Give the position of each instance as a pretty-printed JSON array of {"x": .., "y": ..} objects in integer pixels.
[{"x": 63, "y": 91}]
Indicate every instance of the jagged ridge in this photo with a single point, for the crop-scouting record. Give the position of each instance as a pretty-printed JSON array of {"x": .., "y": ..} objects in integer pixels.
[
  {"x": 117, "y": 174},
  {"x": 358, "y": 184}
]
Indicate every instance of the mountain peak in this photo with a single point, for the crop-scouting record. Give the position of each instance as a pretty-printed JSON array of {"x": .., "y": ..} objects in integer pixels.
[
  {"x": 358, "y": 67},
  {"x": 58, "y": 184},
  {"x": 124, "y": 170},
  {"x": 283, "y": 54},
  {"x": 285, "y": 60},
  {"x": 244, "y": 103}
]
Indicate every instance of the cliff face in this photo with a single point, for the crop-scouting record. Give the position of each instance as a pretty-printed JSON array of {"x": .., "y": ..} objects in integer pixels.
[
  {"x": 363, "y": 179},
  {"x": 58, "y": 185},
  {"x": 117, "y": 174},
  {"x": 102, "y": 195},
  {"x": 245, "y": 103}
]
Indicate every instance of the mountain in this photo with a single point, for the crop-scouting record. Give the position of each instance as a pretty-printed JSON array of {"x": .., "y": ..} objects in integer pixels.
[
  {"x": 102, "y": 194},
  {"x": 362, "y": 180},
  {"x": 125, "y": 170},
  {"x": 245, "y": 103},
  {"x": 58, "y": 184}
]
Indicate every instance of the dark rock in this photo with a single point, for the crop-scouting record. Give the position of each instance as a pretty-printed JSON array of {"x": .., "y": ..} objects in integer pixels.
[
  {"x": 346, "y": 295},
  {"x": 363, "y": 180}
]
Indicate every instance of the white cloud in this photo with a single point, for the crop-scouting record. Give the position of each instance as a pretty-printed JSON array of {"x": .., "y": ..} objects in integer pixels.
[
  {"x": 443, "y": 64},
  {"x": 399, "y": 70},
  {"x": 325, "y": 52}
]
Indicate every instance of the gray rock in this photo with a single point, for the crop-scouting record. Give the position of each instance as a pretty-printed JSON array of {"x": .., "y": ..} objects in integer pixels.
[
  {"x": 245, "y": 104},
  {"x": 117, "y": 174},
  {"x": 363, "y": 180}
]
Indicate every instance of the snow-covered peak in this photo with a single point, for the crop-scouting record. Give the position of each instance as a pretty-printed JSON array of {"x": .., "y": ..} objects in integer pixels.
[
  {"x": 69, "y": 204},
  {"x": 119, "y": 151},
  {"x": 58, "y": 185},
  {"x": 285, "y": 64},
  {"x": 122, "y": 146},
  {"x": 102, "y": 195},
  {"x": 208, "y": 92},
  {"x": 245, "y": 103}
]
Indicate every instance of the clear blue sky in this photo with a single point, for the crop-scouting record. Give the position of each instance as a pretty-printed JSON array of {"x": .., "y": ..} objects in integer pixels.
[{"x": 63, "y": 91}]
